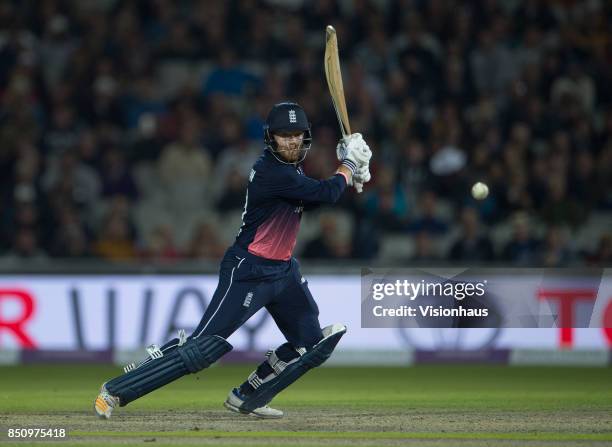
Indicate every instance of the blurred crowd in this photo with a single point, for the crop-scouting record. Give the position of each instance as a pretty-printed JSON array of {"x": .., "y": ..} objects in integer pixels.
[{"x": 128, "y": 128}]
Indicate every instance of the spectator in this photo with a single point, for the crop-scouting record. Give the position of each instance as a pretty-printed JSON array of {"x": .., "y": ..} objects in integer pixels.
[
  {"x": 205, "y": 243},
  {"x": 555, "y": 252},
  {"x": 63, "y": 133},
  {"x": 73, "y": 238},
  {"x": 583, "y": 185},
  {"x": 233, "y": 194},
  {"x": 602, "y": 256},
  {"x": 386, "y": 202},
  {"x": 160, "y": 245},
  {"x": 68, "y": 180},
  {"x": 413, "y": 170},
  {"x": 523, "y": 248},
  {"x": 424, "y": 250},
  {"x": 492, "y": 64},
  {"x": 117, "y": 178},
  {"x": 184, "y": 170},
  {"x": 25, "y": 246},
  {"x": 238, "y": 157},
  {"x": 329, "y": 243},
  {"x": 141, "y": 99},
  {"x": 577, "y": 85},
  {"x": 472, "y": 245},
  {"x": 560, "y": 209},
  {"x": 185, "y": 159},
  {"x": 427, "y": 219},
  {"x": 115, "y": 242},
  {"x": 229, "y": 78}
]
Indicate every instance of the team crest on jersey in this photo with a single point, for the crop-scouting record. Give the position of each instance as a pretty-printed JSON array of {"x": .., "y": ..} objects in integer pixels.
[
  {"x": 247, "y": 299},
  {"x": 292, "y": 116}
]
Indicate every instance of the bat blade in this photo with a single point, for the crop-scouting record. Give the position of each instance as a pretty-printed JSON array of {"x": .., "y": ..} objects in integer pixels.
[{"x": 334, "y": 80}]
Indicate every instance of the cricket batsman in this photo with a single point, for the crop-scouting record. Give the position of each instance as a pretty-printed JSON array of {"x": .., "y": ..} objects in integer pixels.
[{"x": 257, "y": 271}]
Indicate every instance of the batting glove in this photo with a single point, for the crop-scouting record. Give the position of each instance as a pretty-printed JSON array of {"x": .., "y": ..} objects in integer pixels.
[
  {"x": 361, "y": 177},
  {"x": 344, "y": 143},
  {"x": 353, "y": 152}
]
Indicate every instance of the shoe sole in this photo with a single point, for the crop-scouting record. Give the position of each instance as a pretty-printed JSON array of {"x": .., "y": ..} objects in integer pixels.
[
  {"x": 101, "y": 407},
  {"x": 235, "y": 409},
  {"x": 101, "y": 413}
]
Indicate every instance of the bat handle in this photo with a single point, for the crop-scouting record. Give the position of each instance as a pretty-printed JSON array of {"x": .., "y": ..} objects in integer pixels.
[{"x": 345, "y": 133}]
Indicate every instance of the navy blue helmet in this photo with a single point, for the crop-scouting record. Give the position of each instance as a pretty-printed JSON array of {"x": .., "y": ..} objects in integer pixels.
[{"x": 287, "y": 116}]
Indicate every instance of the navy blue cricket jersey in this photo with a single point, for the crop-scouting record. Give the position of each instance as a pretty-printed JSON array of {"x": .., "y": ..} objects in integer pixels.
[{"x": 276, "y": 196}]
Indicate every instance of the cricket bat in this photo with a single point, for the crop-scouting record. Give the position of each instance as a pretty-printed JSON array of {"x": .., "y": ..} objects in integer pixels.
[{"x": 334, "y": 80}]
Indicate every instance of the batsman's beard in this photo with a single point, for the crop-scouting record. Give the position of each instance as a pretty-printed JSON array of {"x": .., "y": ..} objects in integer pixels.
[{"x": 291, "y": 152}]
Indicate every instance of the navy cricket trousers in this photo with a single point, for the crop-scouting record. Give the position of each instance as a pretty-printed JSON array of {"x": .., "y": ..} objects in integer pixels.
[{"x": 247, "y": 283}]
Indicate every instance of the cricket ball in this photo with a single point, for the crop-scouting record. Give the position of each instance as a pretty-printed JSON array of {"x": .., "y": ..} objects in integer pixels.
[{"x": 480, "y": 191}]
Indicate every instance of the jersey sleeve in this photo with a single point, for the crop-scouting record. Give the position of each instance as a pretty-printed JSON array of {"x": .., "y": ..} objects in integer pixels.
[{"x": 291, "y": 185}]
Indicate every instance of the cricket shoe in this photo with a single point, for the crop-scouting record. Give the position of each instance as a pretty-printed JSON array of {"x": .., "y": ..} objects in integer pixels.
[
  {"x": 235, "y": 400},
  {"x": 105, "y": 403}
]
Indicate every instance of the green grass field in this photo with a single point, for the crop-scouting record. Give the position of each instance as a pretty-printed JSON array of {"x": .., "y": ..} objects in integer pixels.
[{"x": 430, "y": 406}]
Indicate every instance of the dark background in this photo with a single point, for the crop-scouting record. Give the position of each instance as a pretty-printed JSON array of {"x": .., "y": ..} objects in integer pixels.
[{"x": 127, "y": 128}]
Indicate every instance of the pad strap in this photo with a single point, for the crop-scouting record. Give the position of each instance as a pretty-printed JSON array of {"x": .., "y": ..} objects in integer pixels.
[{"x": 156, "y": 352}]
